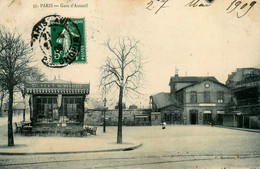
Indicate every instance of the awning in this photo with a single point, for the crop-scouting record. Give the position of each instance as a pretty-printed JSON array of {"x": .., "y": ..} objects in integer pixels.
[
  {"x": 141, "y": 116},
  {"x": 207, "y": 112},
  {"x": 221, "y": 112}
]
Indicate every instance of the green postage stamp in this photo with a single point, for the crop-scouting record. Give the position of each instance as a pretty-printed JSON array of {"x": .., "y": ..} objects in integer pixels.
[{"x": 61, "y": 40}]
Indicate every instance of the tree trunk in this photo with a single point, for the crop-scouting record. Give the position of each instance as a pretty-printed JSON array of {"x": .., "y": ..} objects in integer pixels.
[
  {"x": 1, "y": 104},
  {"x": 24, "y": 107},
  {"x": 120, "y": 117},
  {"x": 10, "y": 117}
]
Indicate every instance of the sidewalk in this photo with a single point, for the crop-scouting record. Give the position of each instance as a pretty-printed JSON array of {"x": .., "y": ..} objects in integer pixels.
[
  {"x": 28, "y": 145},
  {"x": 241, "y": 129}
]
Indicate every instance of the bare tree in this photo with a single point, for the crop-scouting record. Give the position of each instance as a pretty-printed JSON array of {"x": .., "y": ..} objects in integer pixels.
[
  {"x": 33, "y": 75},
  {"x": 123, "y": 69},
  {"x": 2, "y": 96},
  {"x": 15, "y": 57}
]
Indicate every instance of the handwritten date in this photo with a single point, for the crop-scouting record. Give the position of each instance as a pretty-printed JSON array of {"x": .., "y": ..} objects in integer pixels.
[
  {"x": 246, "y": 7},
  {"x": 157, "y": 5}
]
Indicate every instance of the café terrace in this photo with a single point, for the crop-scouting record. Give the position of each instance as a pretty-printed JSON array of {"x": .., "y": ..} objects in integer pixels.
[{"x": 56, "y": 104}]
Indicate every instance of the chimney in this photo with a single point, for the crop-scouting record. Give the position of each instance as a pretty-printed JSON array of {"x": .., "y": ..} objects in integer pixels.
[{"x": 176, "y": 72}]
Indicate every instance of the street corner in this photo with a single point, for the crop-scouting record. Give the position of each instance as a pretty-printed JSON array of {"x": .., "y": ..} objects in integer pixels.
[
  {"x": 68, "y": 145},
  {"x": 127, "y": 145}
]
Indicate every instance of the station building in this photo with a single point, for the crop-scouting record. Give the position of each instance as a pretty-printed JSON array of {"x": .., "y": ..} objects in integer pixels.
[
  {"x": 204, "y": 101},
  {"x": 192, "y": 100}
]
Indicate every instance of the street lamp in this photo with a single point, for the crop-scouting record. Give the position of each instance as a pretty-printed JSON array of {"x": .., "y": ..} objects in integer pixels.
[{"x": 104, "y": 122}]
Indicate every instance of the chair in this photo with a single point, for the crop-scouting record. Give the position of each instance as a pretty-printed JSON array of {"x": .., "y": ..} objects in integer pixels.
[
  {"x": 27, "y": 130},
  {"x": 18, "y": 127},
  {"x": 45, "y": 131},
  {"x": 36, "y": 130},
  {"x": 68, "y": 131}
]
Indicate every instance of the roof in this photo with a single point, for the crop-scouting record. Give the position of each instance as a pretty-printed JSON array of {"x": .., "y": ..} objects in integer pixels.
[
  {"x": 217, "y": 82},
  {"x": 192, "y": 79},
  {"x": 92, "y": 104},
  {"x": 164, "y": 100},
  {"x": 19, "y": 106}
]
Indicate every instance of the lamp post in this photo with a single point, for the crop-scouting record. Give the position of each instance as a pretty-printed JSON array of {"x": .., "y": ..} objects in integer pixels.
[{"x": 104, "y": 122}]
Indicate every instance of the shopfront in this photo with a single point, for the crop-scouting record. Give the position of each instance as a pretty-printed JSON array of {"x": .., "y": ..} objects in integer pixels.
[{"x": 57, "y": 102}]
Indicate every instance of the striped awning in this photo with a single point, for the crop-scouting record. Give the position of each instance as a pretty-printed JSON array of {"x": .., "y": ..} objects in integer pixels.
[{"x": 56, "y": 91}]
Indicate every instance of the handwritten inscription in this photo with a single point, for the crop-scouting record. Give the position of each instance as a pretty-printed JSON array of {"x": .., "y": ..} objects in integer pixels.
[
  {"x": 156, "y": 5},
  {"x": 243, "y": 9},
  {"x": 197, "y": 3}
]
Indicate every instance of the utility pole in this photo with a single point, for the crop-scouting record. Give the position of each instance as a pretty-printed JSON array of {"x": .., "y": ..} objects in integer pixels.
[{"x": 104, "y": 113}]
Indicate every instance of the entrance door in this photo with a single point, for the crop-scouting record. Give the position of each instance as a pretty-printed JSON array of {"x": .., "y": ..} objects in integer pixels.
[
  {"x": 193, "y": 116},
  {"x": 220, "y": 119}
]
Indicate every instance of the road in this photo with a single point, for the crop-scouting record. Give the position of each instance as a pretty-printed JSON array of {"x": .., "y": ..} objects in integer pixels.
[{"x": 174, "y": 147}]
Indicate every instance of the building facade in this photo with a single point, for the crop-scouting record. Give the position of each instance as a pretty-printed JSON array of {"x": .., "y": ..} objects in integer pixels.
[
  {"x": 203, "y": 102},
  {"x": 169, "y": 108},
  {"x": 57, "y": 102},
  {"x": 245, "y": 110}
]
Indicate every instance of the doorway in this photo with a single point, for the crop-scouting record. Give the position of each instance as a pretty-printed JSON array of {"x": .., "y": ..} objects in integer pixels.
[{"x": 193, "y": 117}]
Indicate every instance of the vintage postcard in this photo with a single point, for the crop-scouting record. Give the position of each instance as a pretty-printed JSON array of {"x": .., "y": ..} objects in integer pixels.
[{"x": 130, "y": 84}]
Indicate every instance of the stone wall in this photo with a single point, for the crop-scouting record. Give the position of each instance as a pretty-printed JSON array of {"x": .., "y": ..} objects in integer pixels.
[
  {"x": 96, "y": 118},
  {"x": 254, "y": 122}
]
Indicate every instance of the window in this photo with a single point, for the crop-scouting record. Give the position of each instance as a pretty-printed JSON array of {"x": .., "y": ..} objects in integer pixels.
[
  {"x": 220, "y": 97},
  {"x": 193, "y": 97},
  {"x": 70, "y": 110},
  {"x": 206, "y": 97}
]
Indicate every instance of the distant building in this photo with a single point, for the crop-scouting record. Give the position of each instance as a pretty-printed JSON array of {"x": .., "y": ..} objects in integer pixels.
[
  {"x": 245, "y": 110},
  {"x": 168, "y": 106},
  {"x": 192, "y": 100},
  {"x": 19, "y": 108},
  {"x": 241, "y": 74}
]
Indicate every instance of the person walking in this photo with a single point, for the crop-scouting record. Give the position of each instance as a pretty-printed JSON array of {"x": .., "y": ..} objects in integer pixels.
[{"x": 164, "y": 125}]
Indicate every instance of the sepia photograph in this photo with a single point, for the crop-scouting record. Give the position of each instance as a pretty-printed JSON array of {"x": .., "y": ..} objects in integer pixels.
[{"x": 142, "y": 84}]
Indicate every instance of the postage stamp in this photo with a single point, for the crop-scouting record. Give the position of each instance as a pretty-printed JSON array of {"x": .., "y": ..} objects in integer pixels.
[{"x": 61, "y": 40}]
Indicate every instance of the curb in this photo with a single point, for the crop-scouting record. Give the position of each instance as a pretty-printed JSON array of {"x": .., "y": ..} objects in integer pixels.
[
  {"x": 74, "y": 152},
  {"x": 240, "y": 129}
]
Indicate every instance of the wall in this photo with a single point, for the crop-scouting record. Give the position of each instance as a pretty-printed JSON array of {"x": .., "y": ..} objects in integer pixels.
[
  {"x": 228, "y": 120},
  {"x": 179, "y": 86},
  {"x": 254, "y": 122},
  {"x": 155, "y": 118},
  {"x": 213, "y": 89},
  {"x": 95, "y": 118}
]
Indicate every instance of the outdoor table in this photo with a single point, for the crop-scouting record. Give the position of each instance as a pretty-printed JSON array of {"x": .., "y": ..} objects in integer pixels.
[
  {"x": 25, "y": 123},
  {"x": 26, "y": 130}
]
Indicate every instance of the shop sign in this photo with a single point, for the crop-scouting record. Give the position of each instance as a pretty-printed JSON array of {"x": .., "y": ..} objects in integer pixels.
[
  {"x": 54, "y": 85},
  {"x": 207, "y": 104}
]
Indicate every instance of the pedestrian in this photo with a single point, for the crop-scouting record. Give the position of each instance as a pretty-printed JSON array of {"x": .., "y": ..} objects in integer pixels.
[
  {"x": 212, "y": 123},
  {"x": 164, "y": 125}
]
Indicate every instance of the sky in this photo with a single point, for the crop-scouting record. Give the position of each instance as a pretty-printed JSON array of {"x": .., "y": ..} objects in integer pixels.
[{"x": 198, "y": 41}]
